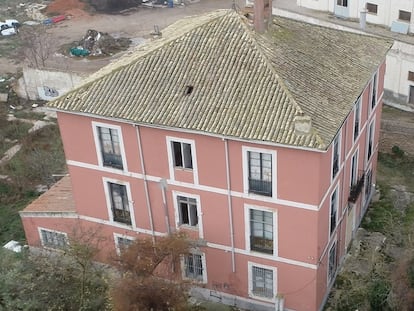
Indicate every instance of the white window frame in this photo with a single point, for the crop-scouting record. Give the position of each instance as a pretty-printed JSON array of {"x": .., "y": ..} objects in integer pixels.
[
  {"x": 367, "y": 186},
  {"x": 337, "y": 138},
  {"x": 250, "y": 266},
  {"x": 98, "y": 147},
  {"x": 370, "y": 137},
  {"x": 178, "y": 224},
  {"x": 332, "y": 230},
  {"x": 40, "y": 229},
  {"x": 374, "y": 80},
  {"x": 203, "y": 262},
  {"x": 330, "y": 277},
  {"x": 105, "y": 182},
  {"x": 357, "y": 116},
  {"x": 356, "y": 157},
  {"x": 245, "y": 159},
  {"x": 172, "y": 168},
  {"x": 247, "y": 208},
  {"x": 118, "y": 236},
  {"x": 342, "y": 3}
]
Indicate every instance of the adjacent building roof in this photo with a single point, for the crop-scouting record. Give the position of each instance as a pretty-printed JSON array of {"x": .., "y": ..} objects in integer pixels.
[
  {"x": 214, "y": 74},
  {"x": 58, "y": 199}
]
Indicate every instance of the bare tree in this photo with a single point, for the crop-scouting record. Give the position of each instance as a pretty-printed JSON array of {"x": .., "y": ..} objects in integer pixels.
[
  {"x": 38, "y": 45},
  {"x": 146, "y": 267}
]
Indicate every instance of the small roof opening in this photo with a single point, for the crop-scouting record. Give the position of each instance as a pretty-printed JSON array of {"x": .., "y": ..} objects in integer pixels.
[{"x": 188, "y": 89}]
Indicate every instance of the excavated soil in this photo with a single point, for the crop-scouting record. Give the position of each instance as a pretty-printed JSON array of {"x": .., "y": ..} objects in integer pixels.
[{"x": 70, "y": 8}]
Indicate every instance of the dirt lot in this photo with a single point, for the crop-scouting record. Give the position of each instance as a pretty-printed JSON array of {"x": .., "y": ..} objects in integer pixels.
[
  {"x": 397, "y": 129},
  {"x": 135, "y": 24}
]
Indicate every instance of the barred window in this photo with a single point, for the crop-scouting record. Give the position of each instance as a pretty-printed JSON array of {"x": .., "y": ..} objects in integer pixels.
[
  {"x": 53, "y": 239},
  {"x": 193, "y": 265},
  {"x": 262, "y": 282}
]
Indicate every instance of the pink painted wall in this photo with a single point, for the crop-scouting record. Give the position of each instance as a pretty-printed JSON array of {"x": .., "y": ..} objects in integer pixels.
[
  {"x": 303, "y": 177},
  {"x": 84, "y": 150},
  {"x": 297, "y": 172}
]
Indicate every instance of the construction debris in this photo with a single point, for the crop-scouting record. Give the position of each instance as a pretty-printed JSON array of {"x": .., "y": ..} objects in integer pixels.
[{"x": 96, "y": 43}]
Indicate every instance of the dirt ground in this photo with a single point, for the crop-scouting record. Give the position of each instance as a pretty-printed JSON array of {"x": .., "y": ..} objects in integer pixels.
[
  {"x": 135, "y": 24},
  {"x": 397, "y": 129}
]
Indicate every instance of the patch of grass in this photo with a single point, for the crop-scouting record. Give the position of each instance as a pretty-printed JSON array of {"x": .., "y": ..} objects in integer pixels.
[
  {"x": 15, "y": 129},
  {"x": 409, "y": 216},
  {"x": 378, "y": 293},
  {"x": 396, "y": 168},
  {"x": 12, "y": 200},
  {"x": 351, "y": 299},
  {"x": 29, "y": 115},
  {"x": 41, "y": 156},
  {"x": 382, "y": 216}
]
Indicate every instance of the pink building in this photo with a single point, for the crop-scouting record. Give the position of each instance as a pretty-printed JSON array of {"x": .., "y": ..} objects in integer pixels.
[{"x": 261, "y": 146}]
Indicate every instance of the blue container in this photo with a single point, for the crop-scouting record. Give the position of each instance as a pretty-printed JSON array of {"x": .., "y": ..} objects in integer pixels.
[{"x": 170, "y": 3}]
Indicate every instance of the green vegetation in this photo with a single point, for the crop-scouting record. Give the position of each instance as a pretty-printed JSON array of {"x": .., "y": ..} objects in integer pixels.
[
  {"x": 388, "y": 284},
  {"x": 396, "y": 168},
  {"x": 41, "y": 155},
  {"x": 63, "y": 281},
  {"x": 12, "y": 201},
  {"x": 28, "y": 115},
  {"x": 70, "y": 280}
]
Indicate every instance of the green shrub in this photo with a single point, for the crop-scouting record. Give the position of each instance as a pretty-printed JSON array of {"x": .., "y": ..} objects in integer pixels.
[
  {"x": 397, "y": 151},
  {"x": 410, "y": 273},
  {"x": 378, "y": 294}
]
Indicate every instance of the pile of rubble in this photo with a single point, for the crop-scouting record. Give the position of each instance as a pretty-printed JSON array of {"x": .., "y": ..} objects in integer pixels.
[{"x": 96, "y": 43}]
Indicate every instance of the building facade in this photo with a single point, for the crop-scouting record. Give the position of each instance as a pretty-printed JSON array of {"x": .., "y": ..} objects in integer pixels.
[
  {"x": 211, "y": 130},
  {"x": 380, "y": 12}
]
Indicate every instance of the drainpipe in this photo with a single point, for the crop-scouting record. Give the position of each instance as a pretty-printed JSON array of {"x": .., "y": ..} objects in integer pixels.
[
  {"x": 141, "y": 156},
  {"x": 163, "y": 185},
  {"x": 229, "y": 204}
]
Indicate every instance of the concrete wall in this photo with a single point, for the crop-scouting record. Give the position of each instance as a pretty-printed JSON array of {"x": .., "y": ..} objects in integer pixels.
[{"x": 45, "y": 84}]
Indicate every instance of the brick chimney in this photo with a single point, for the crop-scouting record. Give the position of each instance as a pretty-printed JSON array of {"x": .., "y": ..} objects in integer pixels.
[{"x": 262, "y": 15}]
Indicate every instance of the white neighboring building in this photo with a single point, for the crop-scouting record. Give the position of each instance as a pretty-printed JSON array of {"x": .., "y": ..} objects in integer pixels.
[
  {"x": 395, "y": 14},
  {"x": 390, "y": 13}
]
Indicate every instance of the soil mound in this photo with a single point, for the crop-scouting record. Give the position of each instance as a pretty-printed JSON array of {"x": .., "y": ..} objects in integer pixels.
[{"x": 96, "y": 43}]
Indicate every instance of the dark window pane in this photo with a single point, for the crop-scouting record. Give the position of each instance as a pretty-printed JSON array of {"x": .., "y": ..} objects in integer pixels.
[
  {"x": 178, "y": 158},
  {"x": 188, "y": 161},
  {"x": 372, "y": 8},
  {"x": 184, "y": 213},
  {"x": 404, "y": 16}
]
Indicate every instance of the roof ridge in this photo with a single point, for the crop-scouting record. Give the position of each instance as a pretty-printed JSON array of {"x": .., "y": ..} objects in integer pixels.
[{"x": 292, "y": 100}]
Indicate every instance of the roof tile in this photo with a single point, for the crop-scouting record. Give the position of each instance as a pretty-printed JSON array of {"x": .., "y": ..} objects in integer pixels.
[{"x": 244, "y": 85}]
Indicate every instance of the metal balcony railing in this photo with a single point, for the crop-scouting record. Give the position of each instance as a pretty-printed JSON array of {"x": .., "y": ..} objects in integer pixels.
[
  {"x": 261, "y": 187},
  {"x": 261, "y": 245},
  {"x": 356, "y": 188},
  {"x": 112, "y": 160}
]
